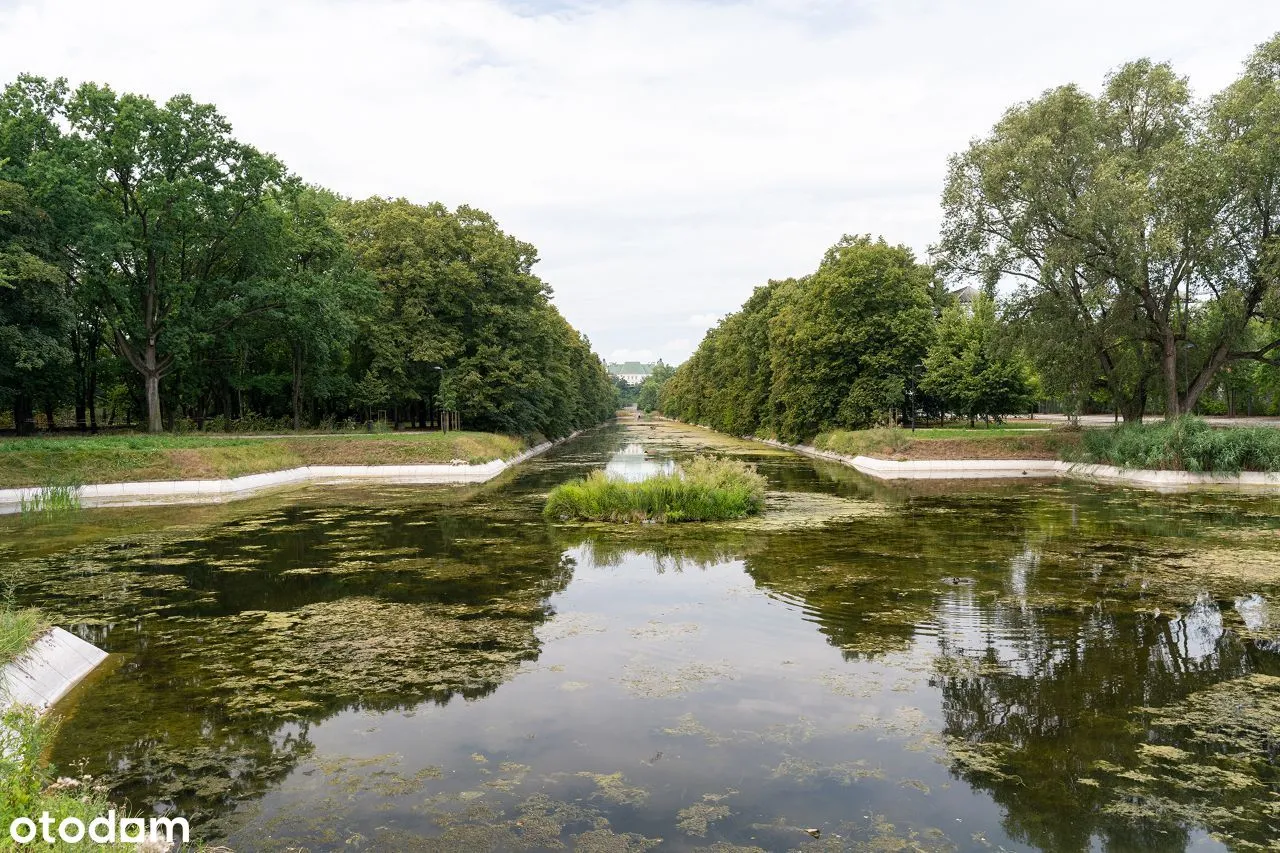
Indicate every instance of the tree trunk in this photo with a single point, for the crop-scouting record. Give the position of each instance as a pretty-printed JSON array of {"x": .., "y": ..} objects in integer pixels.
[
  {"x": 1169, "y": 368},
  {"x": 22, "y": 414},
  {"x": 151, "y": 380}
]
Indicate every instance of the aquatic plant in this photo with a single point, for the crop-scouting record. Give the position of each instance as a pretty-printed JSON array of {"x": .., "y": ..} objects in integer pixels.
[
  {"x": 705, "y": 489},
  {"x": 51, "y": 499},
  {"x": 1183, "y": 444}
]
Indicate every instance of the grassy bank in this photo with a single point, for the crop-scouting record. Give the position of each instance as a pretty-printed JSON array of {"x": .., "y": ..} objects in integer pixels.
[
  {"x": 1182, "y": 444},
  {"x": 18, "y": 629},
  {"x": 706, "y": 489},
  {"x": 950, "y": 443},
  {"x": 134, "y": 458}
]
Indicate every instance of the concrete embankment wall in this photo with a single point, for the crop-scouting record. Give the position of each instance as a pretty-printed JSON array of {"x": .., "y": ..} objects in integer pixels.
[
  {"x": 216, "y": 491},
  {"x": 56, "y": 662},
  {"x": 1012, "y": 469}
]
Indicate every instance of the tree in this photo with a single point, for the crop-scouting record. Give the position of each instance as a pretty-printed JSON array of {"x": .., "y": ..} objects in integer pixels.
[
  {"x": 972, "y": 367},
  {"x": 35, "y": 313},
  {"x": 651, "y": 388},
  {"x": 185, "y": 209},
  {"x": 844, "y": 340},
  {"x": 1117, "y": 214}
]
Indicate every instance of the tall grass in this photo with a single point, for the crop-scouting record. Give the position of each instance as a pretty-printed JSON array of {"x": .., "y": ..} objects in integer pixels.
[
  {"x": 705, "y": 489},
  {"x": 1183, "y": 444},
  {"x": 49, "y": 500},
  {"x": 29, "y": 786},
  {"x": 18, "y": 629},
  {"x": 863, "y": 441}
]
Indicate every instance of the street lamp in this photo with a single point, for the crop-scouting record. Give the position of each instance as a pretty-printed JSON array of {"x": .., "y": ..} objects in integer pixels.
[{"x": 440, "y": 398}]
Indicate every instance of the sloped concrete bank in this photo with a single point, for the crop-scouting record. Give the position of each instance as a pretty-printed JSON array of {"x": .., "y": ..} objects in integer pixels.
[
  {"x": 1008, "y": 469},
  {"x": 56, "y": 662},
  {"x": 218, "y": 491}
]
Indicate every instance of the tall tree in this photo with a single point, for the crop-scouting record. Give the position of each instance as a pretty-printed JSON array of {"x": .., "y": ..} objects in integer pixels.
[
  {"x": 183, "y": 204},
  {"x": 973, "y": 367}
]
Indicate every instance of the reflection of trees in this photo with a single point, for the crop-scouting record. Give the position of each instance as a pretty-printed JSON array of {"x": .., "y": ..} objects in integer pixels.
[
  {"x": 1039, "y": 702},
  {"x": 316, "y": 610}
]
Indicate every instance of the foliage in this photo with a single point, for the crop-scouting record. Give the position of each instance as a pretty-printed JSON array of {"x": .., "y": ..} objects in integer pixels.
[
  {"x": 972, "y": 367},
  {"x": 152, "y": 263},
  {"x": 651, "y": 389},
  {"x": 834, "y": 349},
  {"x": 1137, "y": 225},
  {"x": 30, "y": 787},
  {"x": 1183, "y": 444},
  {"x": 705, "y": 489}
]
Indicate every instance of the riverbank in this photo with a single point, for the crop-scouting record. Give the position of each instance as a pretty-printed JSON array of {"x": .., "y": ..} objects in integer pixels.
[
  {"x": 18, "y": 630},
  {"x": 213, "y": 491},
  {"x": 26, "y": 462},
  {"x": 1012, "y": 442}
]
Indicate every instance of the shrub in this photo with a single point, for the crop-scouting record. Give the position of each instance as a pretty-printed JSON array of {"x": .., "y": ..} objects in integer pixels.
[
  {"x": 705, "y": 489},
  {"x": 1184, "y": 444}
]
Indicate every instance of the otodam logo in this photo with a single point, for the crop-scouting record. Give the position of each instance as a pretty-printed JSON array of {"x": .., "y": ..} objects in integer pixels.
[{"x": 106, "y": 829}]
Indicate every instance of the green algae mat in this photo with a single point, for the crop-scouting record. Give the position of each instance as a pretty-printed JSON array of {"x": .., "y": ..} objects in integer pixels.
[{"x": 862, "y": 666}]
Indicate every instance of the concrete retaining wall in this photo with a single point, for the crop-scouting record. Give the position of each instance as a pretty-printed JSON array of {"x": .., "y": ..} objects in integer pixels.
[
  {"x": 47, "y": 671},
  {"x": 216, "y": 491},
  {"x": 1011, "y": 469}
]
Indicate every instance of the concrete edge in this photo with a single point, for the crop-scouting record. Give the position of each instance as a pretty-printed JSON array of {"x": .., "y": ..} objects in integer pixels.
[
  {"x": 217, "y": 491},
  {"x": 56, "y": 662},
  {"x": 1009, "y": 469}
]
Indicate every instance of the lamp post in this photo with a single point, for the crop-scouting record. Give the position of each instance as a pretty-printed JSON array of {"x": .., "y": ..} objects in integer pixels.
[{"x": 440, "y": 398}]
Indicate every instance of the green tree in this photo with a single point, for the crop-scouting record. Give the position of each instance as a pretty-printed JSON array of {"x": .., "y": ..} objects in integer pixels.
[
  {"x": 844, "y": 341},
  {"x": 973, "y": 368},
  {"x": 185, "y": 208},
  {"x": 651, "y": 388},
  {"x": 35, "y": 312}
]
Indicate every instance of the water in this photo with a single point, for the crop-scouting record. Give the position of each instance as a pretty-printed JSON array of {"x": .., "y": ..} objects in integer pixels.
[{"x": 934, "y": 667}]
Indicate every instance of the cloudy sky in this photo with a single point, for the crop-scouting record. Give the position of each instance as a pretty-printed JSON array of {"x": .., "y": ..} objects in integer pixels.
[{"x": 665, "y": 156}]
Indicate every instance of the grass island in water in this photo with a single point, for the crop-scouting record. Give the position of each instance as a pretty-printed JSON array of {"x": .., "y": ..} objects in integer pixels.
[{"x": 705, "y": 489}]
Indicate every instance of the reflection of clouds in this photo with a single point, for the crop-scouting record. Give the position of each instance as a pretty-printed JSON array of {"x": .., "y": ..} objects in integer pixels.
[
  {"x": 632, "y": 465},
  {"x": 1253, "y": 612},
  {"x": 975, "y": 628},
  {"x": 1195, "y": 634}
]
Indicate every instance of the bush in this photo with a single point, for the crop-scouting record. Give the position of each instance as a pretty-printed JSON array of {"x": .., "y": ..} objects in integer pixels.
[
  {"x": 1184, "y": 444},
  {"x": 706, "y": 489}
]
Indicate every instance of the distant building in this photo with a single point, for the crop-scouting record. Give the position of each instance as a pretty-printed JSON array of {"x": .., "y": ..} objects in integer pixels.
[
  {"x": 630, "y": 372},
  {"x": 965, "y": 297}
]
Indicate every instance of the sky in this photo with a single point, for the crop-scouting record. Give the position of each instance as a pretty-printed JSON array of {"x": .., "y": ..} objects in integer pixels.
[{"x": 665, "y": 156}]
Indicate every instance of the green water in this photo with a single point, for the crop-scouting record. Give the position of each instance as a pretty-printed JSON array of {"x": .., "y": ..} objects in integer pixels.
[{"x": 934, "y": 667}]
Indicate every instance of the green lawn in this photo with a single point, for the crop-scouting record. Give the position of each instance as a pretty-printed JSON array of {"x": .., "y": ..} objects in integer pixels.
[
  {"x": 52, "y": 460},
  {"x": 996, "y": 442}
]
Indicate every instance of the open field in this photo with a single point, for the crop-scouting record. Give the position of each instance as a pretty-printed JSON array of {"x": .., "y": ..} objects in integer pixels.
[{"x": 136, "y": 458}]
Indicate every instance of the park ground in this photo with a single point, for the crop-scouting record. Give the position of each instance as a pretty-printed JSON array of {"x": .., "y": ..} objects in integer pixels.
[{"x": 57, "y": 460}]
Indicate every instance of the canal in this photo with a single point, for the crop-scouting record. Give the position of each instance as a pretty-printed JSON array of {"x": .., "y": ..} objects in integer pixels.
[{"x": 942, "y": 666}]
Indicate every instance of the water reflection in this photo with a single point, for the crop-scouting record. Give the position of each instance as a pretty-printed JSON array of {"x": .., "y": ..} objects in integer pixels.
[
  {"x": 633, "y": 464},
  {"x": 933, "y": 670}
]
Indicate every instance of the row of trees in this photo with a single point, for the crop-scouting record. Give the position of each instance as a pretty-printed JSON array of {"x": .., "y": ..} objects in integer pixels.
[
  {"x": 1134, "y": 233},
  {"x": 150, "y": 260},
  {"x": 861, "y": 341}
]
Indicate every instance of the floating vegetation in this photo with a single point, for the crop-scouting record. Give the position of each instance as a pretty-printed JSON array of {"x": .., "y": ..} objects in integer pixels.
[
  {"x": 653, "y": 682},
  {"x": 695, "y": 819},
  {"x": 613, "y": 788}
]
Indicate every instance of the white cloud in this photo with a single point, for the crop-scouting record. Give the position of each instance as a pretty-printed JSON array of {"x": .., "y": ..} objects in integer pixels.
[{"x": 665, "y": 157}]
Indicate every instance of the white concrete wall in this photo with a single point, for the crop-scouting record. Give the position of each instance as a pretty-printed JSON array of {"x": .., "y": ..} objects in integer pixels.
[
  {"x": 977, "y": 469},
  {"x": 216, "y": 491},
  {"x": 47, "y": 671}
]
